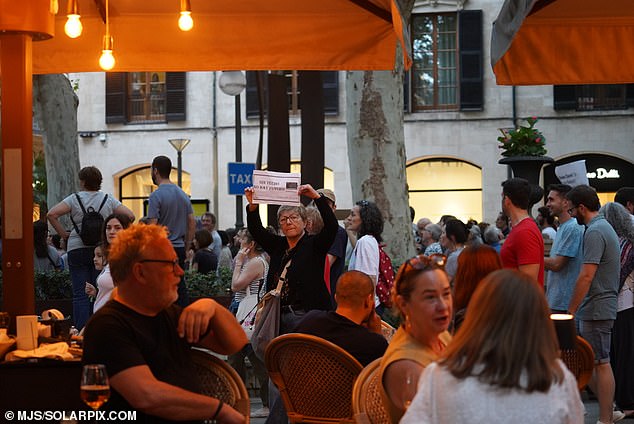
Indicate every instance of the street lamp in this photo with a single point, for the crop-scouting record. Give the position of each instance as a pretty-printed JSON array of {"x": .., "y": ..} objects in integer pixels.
[
  {"x": 232, "y": 83},
  {"x": 179, "y": 144}
]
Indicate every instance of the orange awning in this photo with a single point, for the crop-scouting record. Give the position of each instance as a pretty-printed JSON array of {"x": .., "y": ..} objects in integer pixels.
[
  {"x": 564, "y": 42},
  {"x": 229, "y": 34}
]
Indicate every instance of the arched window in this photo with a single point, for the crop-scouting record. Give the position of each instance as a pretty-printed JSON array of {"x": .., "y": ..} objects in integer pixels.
[
  {"x": 136, "y": 186},
  {"x": 444, "y": 186}
]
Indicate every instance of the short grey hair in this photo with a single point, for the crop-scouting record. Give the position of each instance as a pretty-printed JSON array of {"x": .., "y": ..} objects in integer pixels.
[
  {"x": 435, "y": 230},
  {"x": 492, "y": 234},
  {"x": 300, "y": 210}
]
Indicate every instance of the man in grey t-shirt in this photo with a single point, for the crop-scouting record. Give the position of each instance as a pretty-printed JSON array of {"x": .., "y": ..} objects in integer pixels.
[
  {"x": 170, "y": 206},
  {"x": 594, "y": 297}
]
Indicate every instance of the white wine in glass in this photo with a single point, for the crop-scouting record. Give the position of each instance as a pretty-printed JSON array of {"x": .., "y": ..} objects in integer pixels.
[{"x": 94, "y": 389}]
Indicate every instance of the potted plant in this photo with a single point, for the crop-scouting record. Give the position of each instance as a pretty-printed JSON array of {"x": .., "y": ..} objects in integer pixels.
[
  {"x": 524, "y": 151},
  {"x": 523, "y": 141}
]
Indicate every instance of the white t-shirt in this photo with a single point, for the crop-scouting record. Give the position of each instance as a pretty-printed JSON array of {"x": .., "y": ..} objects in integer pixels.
[
  {"x": 365, "y": 258},
  {"x": 442, "y": 398},
  {"x": 105, "y": 286},
  {"x": 549, "y": 232},
  {"x": 625, "y": 300}
]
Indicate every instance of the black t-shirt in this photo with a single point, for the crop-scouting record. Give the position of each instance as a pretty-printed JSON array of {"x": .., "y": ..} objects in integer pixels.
[
  {"x": 121, "y": 338},
  {"x": 358, "y": 341},
  {"x": 338, "y": 249},
  {"x": 207, "y": 260}
]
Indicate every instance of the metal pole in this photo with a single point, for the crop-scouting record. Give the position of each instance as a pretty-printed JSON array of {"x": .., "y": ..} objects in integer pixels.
[
  {"x": 180, "y": 168},
  {"x": 239, "y": 220}
]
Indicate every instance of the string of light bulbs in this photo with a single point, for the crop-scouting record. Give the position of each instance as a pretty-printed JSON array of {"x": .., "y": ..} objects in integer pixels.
[{"x": 73, "y": 27}]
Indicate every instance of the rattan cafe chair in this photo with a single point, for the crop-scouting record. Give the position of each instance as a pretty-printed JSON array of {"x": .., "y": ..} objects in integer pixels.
[
  {"x": 219, "y": 380},
  {"x": 367, "y": 405},
  {"x": 387, "y": 331},
  {"x": 580, "y": 361},
  {"x": 315, "y": 378}
]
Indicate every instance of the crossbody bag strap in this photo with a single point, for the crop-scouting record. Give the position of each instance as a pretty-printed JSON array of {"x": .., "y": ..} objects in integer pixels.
[
  {"x": 103, "y": 202},
  {"x": 282, "y": 279}
]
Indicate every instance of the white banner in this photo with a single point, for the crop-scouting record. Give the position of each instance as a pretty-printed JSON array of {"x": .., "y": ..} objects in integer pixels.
[
  {"x": 277, "y": 188},
  {"x": 573, "y": 173}
]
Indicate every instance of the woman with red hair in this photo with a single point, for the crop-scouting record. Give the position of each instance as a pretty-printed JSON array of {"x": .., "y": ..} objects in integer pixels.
[{"x": 474, "y": 263}]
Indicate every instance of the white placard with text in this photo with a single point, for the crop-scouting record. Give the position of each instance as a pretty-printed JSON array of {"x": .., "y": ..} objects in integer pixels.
[{"x": 276, "y": 188}]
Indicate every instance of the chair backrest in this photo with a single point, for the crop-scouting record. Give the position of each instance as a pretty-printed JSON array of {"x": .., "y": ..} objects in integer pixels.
[
  {"x": 367, "y": 405},
  {"x": 219, "y": 380},
  {"x": 314, "y": 376},
  {"x": 580, "y": 361}
]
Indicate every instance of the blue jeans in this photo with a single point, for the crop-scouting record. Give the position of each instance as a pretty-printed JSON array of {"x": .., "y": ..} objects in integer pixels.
[{"x": 82, "y": 270}]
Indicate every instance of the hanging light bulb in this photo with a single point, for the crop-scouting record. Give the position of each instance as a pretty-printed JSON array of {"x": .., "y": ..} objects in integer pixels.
[
  {"x": 107, "y": 61},
  {"x": 185, "y": 22},
  {"x": 73, "y": 27}
]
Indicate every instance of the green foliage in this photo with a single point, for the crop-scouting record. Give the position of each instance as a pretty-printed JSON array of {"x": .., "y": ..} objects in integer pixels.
[
  {"x": 209, "y": 285},
  {"x": 523, "y": 141},
  {"x": 39, "y": 179},
  {"x": 50, "y": 285}
]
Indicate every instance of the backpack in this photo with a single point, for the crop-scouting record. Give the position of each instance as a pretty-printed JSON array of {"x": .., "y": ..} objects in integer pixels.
[
  {"x": 385, "y": 279},
  {"x": 91, "y": 223}
]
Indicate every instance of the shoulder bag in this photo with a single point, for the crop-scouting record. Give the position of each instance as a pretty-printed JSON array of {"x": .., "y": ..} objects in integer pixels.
[{"x": 267, "y": 317}]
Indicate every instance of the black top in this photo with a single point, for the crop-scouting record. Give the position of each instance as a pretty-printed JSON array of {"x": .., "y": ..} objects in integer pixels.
[
  {"x": 207, "y": 260},
  {"x": 355, "y": 339},
  {"x": 305, "y": 276},
  {"x": 121, "y": 338}
]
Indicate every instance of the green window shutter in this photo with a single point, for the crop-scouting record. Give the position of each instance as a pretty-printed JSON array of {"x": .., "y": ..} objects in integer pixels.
[
  {"x": 175, "y": 96},
  {"x": 470, "y": 51},
  {"x": 564, "y": 97},
  {"x": 116, "y": 97}
]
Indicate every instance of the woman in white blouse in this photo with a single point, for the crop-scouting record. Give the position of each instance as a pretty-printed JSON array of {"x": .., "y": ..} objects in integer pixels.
[
  {"x": 365, "y": 222},
  {"x": 503, "y": 364}
]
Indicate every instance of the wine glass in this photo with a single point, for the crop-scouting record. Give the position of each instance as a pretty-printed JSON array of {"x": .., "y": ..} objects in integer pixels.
[{"x": 94, "y": 389}]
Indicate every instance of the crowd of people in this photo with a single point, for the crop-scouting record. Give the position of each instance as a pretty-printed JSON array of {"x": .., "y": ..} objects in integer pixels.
[{"x": 475, "y": 342}]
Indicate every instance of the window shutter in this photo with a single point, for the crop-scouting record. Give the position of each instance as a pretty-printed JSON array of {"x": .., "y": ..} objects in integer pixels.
[
  {"x": 330, "y": 84},
  {"x": 253, "y": 111},
  {"x": 470, "y": 47},
  {"x": 175, "y": 96},
  {"x": 629, "y": 95},
  {"x": 116, "y": 97},
  {"x": 564, "y": 97}
]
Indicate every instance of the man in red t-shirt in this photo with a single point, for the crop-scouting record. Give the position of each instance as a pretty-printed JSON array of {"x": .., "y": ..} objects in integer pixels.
[{"x": 523, "y": 249}]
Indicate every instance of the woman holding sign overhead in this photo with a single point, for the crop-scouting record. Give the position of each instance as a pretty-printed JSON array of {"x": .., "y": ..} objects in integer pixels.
[{"x": 296, "y": 257}]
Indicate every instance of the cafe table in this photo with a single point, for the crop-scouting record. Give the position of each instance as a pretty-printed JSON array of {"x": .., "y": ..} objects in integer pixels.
[{"x": 39, "y": 385}]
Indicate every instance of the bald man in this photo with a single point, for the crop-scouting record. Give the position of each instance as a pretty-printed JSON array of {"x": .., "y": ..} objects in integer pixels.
[{"x": 354, "y": 326}]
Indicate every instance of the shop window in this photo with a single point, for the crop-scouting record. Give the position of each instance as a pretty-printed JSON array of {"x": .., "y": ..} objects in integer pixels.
[
  {"x": 443, "y": 186},
  {"x": 330, "y": 86},
  {"x": 136, "y": 186},
  {"x": 593, "y": 97},
  {"x": 145, "y": 97},
  {"x": 447, "y": 69}
]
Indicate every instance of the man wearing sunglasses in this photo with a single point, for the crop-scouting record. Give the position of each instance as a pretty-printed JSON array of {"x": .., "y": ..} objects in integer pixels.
[{"x": 145, "y": 340}]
